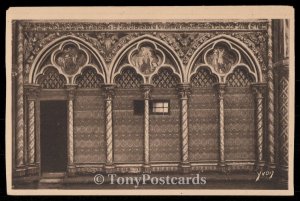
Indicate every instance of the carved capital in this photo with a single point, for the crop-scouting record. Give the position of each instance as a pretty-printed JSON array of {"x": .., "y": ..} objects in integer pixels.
[
  {"x": 32, "y": 91},
  {"x": 146, "y": 89},
  {"x": 220, "y": 87},
  {"x": 71, "y": 89},
  {"x": 259, "y": 89},
  {"x": 109, "y": 91},
  {"x": 184, "y": 90}
]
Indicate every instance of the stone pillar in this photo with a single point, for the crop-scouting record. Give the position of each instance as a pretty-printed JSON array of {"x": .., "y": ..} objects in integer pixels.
[
  {"x": 283, "y": 117},
  {"x": 108, "y": 94},
  {"x": 259, "y": 90},
  {"x": 270, "y": 83},
  {"x": 146, "y": 88},
  {"x": 220, "y": 91},
  {"x": 19, "y": 137},
  {"x": 71, "y": 89},
  {"x": 32, "y": 92},
  {"x": 184, "y": 93}
]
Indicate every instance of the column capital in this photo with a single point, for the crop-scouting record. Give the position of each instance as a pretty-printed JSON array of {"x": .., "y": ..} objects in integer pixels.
[
  {"x": 32, "y": 91},
  {"x": 259, "y": 89},
  {"x": 220, "y": 87},
  {"x": 71, "y": 89},
  {"x": 109, "y": 91},
  {"x": 184, "y": 90},
  {"x": 146, "y": 89}
]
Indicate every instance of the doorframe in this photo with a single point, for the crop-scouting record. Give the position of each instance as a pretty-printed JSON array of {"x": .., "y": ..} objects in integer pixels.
[{"x": 47, "y": 95}]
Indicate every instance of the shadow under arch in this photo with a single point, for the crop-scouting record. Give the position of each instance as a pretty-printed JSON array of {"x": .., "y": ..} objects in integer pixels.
[
  {"x": 240, "y": 46},
  {"x": 127, "y": 48},
  {"x": 47, "y": 49}
]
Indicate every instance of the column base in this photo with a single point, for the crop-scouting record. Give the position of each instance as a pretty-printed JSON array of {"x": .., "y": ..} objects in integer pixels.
[
  {"x": 146, "y": 168},
  {"x": 283, "y": 175},
  {"x": 109, "y": 169},
  {"x": 271, "y": 166},
  {"x": 222, "y": 167},
  {"x": 71, "y": 171},
  {"x": 260, "y": 166},
  {"x": 185, "y": 167},
  {"x": 32, "y": 169},
  {"x": 20, "y": 171}
]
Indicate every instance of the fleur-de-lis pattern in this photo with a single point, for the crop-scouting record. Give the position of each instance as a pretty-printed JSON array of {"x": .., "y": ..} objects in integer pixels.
[
  {"x": 89, "y": 124},
  {"x": 239, "y": 122}
]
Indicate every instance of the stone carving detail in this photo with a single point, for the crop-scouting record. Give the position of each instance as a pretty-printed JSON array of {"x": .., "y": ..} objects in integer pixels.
[
  {"x": 184, "y": 44},
  {"x": 110, "y": 41},
  {"x": 284, "y": 121},
  {"x": 184, "y": 92},
  {"x": 146, "y": 58},
  {"x": 34, "y": 43},
  {"x": 203, "y": 78},
  {"x": 165, "y": 78},
  {"x": 108, "y": 44},
  {"x": 257, "y": 43},
  {"x": 20, "y": 101},
  {"x": 51, "y": 79},
  {"x": 222, "y": 57},
  {"x": 259, "y": 92},
  {"x": 125, "y": 26},
  {"x": 70, "y": 58},
  {"x": 89, "y": 79},
  {"x": 240, "y": 78},
  {"x": 271, "y": 100},
  {"x": 128, "y": 79},
  {"x": 109, "y": 93}
]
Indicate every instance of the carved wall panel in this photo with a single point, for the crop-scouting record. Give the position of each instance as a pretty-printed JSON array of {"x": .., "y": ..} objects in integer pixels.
[
  {"x": 89, "y": 126},
  {"x": 165, "y": 129},
  {"x": 203, "y": 117},
  {"x": 128, "y": 128},
  {"x": 239, "y": 120},
  {"x": 284, "y": 119}
]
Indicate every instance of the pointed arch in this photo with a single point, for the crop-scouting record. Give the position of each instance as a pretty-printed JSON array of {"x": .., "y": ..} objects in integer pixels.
[
  {"x": 240, "y": 46},
  {"x": 50, "y": 47},
  {"x": 115, "y": 65}
]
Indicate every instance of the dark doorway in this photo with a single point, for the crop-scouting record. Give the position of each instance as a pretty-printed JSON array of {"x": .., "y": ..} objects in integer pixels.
[{"x": 53, "y": 136}]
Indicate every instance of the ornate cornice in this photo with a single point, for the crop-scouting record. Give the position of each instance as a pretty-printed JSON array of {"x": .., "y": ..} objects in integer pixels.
[{"x": 144, "y": 26}]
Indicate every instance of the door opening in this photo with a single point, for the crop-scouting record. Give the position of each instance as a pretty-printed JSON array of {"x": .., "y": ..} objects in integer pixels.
[{"x": 53, "y": 136}]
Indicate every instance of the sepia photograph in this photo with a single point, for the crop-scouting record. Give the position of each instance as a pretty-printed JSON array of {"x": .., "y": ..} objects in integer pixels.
[{"x": 150, "y": 100}]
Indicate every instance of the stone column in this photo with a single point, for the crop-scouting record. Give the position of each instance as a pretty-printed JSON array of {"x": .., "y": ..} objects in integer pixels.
[
  {"x": 32, "y": 92},
  {"x": 184, "y": 93},
  {"x": 19, "y": 137},
  {"x": 283, "y": 117},
  {"x": 71, "y": 89},
  {"x": 220, "y": 91},
  {"x": 270, "y": 83},
  {"x": 109, "y": 91},
  {"x": 259, "y": 90},
  {"x": 146, "y": 88}
]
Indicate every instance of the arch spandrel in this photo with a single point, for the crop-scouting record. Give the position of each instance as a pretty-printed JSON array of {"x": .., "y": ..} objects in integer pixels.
[
  {"x": 234, "y": 53},
  {"x": 64, "y": 52},
  {"x": 136, "y": 52}
]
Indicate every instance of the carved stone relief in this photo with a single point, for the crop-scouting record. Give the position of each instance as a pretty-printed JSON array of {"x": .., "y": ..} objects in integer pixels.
[{"x": 109, "y": 38}]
